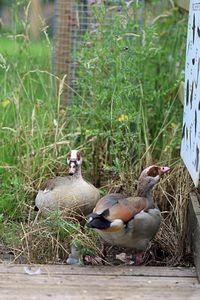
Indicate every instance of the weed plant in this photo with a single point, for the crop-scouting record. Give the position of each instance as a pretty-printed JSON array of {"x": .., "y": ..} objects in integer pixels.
[{"x": 126, "y": 115}]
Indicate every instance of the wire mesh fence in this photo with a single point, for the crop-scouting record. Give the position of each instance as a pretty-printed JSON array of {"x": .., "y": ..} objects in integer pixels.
[{"x": 74, "y": 19}]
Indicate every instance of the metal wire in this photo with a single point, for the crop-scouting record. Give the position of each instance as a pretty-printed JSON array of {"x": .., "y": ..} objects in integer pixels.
[{"x": 73, "y": 19}]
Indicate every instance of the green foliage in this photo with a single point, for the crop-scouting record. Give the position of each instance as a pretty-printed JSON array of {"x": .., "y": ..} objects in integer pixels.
[
  {"x": 129, "y": 82},
  {"x": 12, "y": 197},
  {"x": 26, "y": 118},
  {"x": 57, "y": 225},
  {"x": 127, "y": 115}
]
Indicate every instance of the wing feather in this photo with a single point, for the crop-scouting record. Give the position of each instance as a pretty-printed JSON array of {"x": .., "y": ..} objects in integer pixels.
[{"x": 117, "y": 206}]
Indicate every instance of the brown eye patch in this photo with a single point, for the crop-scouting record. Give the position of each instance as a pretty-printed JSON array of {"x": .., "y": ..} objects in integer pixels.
[
  {"x": 78, "y": 155},
  {"x": 154, "y": 171}
]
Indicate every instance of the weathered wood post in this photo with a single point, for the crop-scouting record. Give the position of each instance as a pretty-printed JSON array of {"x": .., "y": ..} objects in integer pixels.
[
  {"x": 65, "y": 29},
  {"x": 36, "y": 18},
  {"x": 183, "y": 4}
]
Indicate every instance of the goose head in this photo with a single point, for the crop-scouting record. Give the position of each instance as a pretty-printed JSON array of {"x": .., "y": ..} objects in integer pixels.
[
  {"x": 74, "y": 162},
  {"x": 149, "y": 177}
]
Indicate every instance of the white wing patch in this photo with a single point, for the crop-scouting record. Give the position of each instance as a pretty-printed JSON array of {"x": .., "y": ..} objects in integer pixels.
[
  {"x": 46, "y": 191},
  {"x": 90, "y": 219}
]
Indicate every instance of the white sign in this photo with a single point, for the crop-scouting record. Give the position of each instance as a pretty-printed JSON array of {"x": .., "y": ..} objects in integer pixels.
[{"x": 190, "y": 146}]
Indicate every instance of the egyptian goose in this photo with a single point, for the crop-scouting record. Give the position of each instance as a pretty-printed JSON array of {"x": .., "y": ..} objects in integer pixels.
[
  {"x": 70, "y": 192},
  {"x": 130, "y": 222}
]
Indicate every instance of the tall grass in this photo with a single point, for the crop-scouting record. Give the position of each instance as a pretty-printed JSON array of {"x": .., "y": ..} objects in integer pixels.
[
  {"x": 129, "y": 82},
  {"x": 127, "y": 116}
]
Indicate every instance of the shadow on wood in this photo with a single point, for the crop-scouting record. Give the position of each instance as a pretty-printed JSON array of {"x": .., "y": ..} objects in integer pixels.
[{"x": 194, "y": 230}]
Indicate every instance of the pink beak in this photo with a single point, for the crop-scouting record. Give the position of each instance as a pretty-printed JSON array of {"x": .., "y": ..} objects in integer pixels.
[{"x": 164, "y": 170}]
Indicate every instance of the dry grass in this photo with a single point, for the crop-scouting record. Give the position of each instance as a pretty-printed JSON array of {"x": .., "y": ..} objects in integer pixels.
[
  {"x": 36, "y": 134},
  {"x": 48, "y": 240},
  {"x": 171, "y": 246}
]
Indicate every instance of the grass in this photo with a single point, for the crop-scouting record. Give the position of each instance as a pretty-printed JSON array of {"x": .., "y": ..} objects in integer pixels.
[{"x": 128, "y": 116}]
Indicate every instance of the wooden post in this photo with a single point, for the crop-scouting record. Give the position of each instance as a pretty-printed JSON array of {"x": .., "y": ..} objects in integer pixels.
[
  {"x": 66, "y": 24},
  {"x": 36, "y": 18},
  {"x": 183, "y": 4},
  {"x": 194, "y": 230},
  {"x": 181, "y": 92}
]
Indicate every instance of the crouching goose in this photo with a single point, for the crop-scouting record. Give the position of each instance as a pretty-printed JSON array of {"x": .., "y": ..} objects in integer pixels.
[
  {"x": 130, "y": 222},
  {"x": 71, "y": 192}
]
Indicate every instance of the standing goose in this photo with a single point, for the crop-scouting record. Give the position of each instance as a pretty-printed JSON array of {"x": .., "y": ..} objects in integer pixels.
[
  {"x": 130, "y": 222},
  {"x": 70, "y": 192}
]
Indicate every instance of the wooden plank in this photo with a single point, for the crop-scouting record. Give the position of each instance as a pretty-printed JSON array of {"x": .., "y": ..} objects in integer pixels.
[
  {"x": 85, "y": 282},
  {"x": 183, "y": 4},
  {"x": 102, "y": 270},
  {"x": 194, "y": 230},
  {"x": 91, "y": 283},
  {"x": 94, "y": 292},
  {"x": 181, "y": 92}
]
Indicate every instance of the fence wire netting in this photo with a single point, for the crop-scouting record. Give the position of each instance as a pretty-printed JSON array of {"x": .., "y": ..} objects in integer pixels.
[{"x": 74, "y": 19}]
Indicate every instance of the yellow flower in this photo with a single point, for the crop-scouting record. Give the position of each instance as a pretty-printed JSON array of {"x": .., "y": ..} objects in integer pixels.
[
  {"x": 123, "y": 118},
  {"x": 5, "y": 103},
  {"x": 173, "y": 125},
  {"x": 166, "y": 149}
]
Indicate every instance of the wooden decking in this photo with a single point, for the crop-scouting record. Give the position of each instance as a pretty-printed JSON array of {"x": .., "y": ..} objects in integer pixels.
[{"x": 106, "y": 283}]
